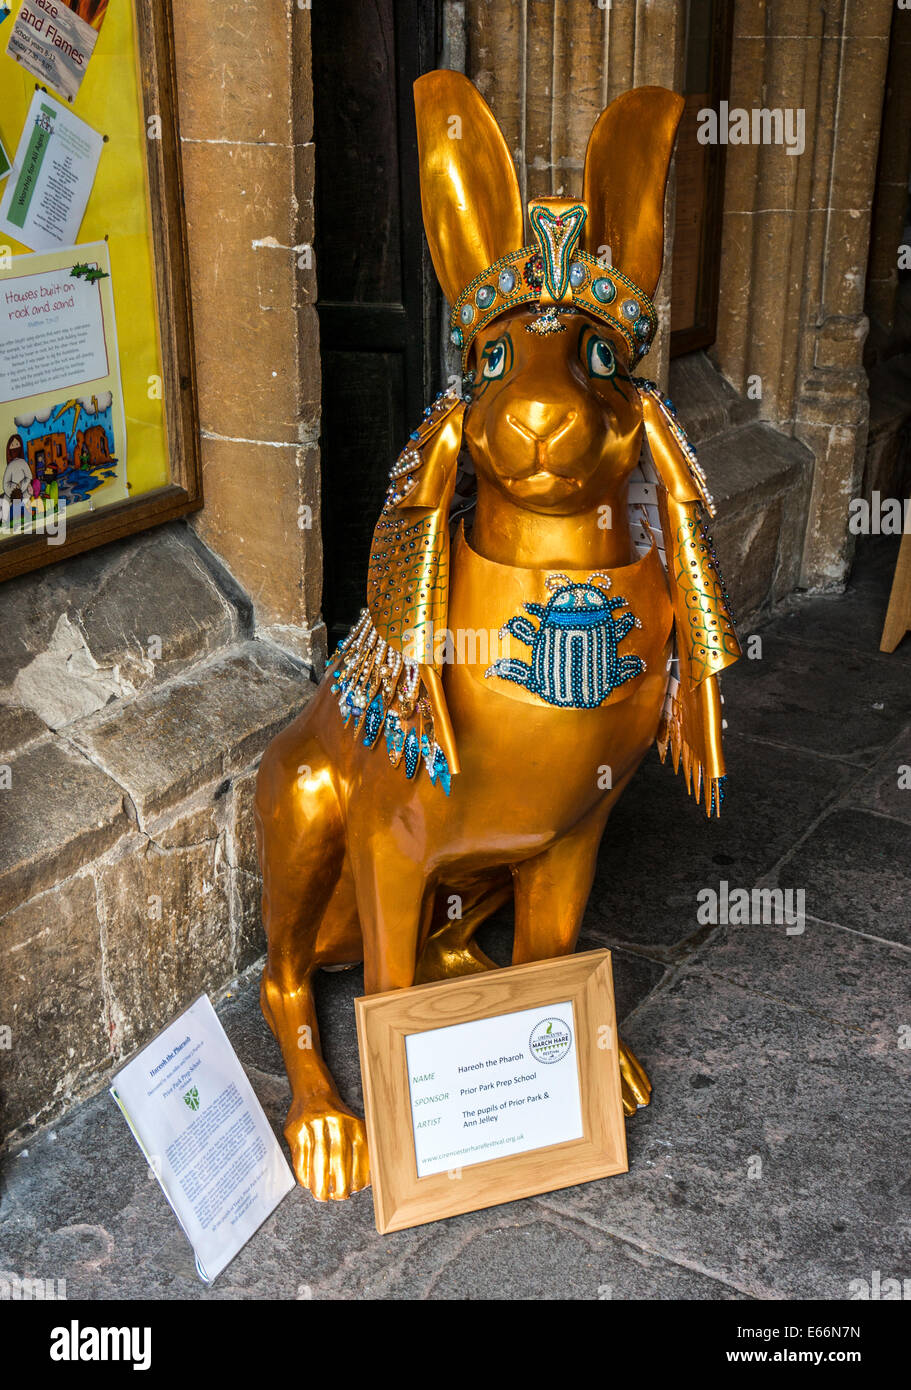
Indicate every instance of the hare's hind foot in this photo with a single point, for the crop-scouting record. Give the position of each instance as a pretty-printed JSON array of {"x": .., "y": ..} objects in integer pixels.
[
  {"x": 451, "y": 950},
  {"x": 635, "y": 1087},
  {"x": 444, "y": 960}
]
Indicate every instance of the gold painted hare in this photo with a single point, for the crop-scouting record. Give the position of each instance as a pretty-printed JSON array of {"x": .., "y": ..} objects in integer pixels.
[{"x": 412, "y": 776}]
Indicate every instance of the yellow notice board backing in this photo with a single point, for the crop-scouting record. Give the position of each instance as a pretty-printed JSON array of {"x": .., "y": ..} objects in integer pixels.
[{"x": 102, "y": 455}]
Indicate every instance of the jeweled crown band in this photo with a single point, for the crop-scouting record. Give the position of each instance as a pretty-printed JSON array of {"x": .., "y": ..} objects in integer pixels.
[{"x": 555, "y": 274}]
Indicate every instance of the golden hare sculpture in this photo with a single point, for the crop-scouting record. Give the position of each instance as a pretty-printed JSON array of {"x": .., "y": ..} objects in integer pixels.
[{"x": 423, "y": 768}]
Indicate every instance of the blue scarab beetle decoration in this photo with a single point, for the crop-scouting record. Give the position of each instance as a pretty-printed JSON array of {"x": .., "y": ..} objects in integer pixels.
[{"x": 574, "y": 659}]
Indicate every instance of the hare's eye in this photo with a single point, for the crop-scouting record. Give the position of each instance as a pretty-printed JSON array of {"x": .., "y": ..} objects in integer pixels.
[
  {"x": 600, "y": 356},
  {"x": 497, "y": 359}
]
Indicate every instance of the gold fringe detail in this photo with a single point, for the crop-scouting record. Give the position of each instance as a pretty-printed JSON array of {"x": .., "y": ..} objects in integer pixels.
[
  {"x": 706, "y": 786},
  {"x": 379, "y": 690}
]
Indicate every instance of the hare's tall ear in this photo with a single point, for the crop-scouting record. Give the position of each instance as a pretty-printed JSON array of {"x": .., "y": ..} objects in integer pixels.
[
  {"x": 469, "y": 190},
  {"x": 626, "y": 168}
]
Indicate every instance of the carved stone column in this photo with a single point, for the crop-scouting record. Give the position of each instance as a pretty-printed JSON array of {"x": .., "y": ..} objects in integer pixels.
[
  {"x": 246, "y": 124},
  {"x": 796, "y": 236}
]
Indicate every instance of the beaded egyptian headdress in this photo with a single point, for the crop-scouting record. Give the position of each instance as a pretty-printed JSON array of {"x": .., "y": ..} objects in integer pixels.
[
  {"x": 599, "y": 256},
  {"x": 555, "y": 274}
]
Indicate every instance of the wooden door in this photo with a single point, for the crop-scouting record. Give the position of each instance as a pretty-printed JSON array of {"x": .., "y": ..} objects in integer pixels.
[
  {"x": 377, "y": 299},
  {"x": 700, "y": 179}
]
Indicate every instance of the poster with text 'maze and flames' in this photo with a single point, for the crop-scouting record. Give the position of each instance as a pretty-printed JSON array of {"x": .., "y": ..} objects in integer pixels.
[{"x": 55, "y": 39}]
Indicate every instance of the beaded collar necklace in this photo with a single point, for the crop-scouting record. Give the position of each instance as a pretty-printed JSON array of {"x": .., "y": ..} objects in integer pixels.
[{"x": 555, "y": 274}]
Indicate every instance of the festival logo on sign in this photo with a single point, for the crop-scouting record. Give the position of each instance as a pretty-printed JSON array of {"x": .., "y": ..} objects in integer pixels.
[{"x": 550, "y": 1040}]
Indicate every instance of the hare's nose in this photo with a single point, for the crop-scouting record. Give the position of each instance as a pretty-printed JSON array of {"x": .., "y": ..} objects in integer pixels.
[{"x": 542, "y": 433}]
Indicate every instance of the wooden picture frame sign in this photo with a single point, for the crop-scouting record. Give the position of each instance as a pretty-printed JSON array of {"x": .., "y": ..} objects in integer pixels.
[
  {"x": 139, "y": 46},
  {"x": 524, "y": 1060}
]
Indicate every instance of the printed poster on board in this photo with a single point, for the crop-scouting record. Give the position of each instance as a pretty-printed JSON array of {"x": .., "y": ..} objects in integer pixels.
[
  {"x": 45, "y": 197},
  {"x": 62, "y": 424},
  {"x": 54, "y": 40}
]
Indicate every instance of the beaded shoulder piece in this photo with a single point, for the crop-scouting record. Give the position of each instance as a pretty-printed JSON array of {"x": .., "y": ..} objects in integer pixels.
[
  {"x": 386, "y": 677},
  {"x": 651, "y": 392},
  {"x": 705, "y": 627},
  {"x": 669, "y": 506}
]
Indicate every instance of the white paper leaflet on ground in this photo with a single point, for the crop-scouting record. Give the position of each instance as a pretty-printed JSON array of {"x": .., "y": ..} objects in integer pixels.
[
  {"x": 61, "y": 400},
  {"x": 493, "y": 1087},
  {"x": 54, "y": 40},
  {"x": 45, "y": 196},
  {"x": 204, "y": 1134}
]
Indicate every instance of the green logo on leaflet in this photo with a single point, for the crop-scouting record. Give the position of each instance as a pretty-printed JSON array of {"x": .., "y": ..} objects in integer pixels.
[
  {"x": 192, "y": 1098},
  {"x": 550, "y": 1040}
]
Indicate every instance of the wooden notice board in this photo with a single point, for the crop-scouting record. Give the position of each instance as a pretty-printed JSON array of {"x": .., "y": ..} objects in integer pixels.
[{"x": 98, "y": 410}]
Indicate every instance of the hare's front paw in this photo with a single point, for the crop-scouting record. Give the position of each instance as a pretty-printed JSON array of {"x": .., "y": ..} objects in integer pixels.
[
  {"x": 328, "y": 1148},
  {"x": 635, "y": 1086}
]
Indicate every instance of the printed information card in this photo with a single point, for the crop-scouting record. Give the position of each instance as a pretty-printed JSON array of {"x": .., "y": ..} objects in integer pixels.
[
  {"x": 493, "y": 1087},
  {"x": 196, "y": 1118},
  {"x": 45, "y": 197}
]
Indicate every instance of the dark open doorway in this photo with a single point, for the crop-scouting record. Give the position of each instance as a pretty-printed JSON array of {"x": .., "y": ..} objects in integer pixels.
[
  {"x": 700, "y": 179},
  {"x": 378, "y": 303}
]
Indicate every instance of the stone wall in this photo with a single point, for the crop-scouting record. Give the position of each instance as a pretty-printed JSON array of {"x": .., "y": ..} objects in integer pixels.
[
  {"x": 796, "y": 237},
  {"x": 140, "y": 683},
  {"x": 134, "y": 705},
  {"x": 890, "y": 210},
  {"x": 887, "y": 352}
]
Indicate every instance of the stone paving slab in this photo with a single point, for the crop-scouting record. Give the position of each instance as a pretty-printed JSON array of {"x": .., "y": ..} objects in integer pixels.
[
  {"x": 887, "y": 786},
  {"x": 852, "y": 620},
  {"x": 119, "y": 1239},
  {"x": 838, "y": 703},
  {"x": 740, "y": 1077},
  {"x": 856, "y": 867},
  {"x": 857, "y": 984},
  {"x": 860, "y": 613},
  {"x": 740, "y": 1073},
  {"x": 660, "y": 848}
]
